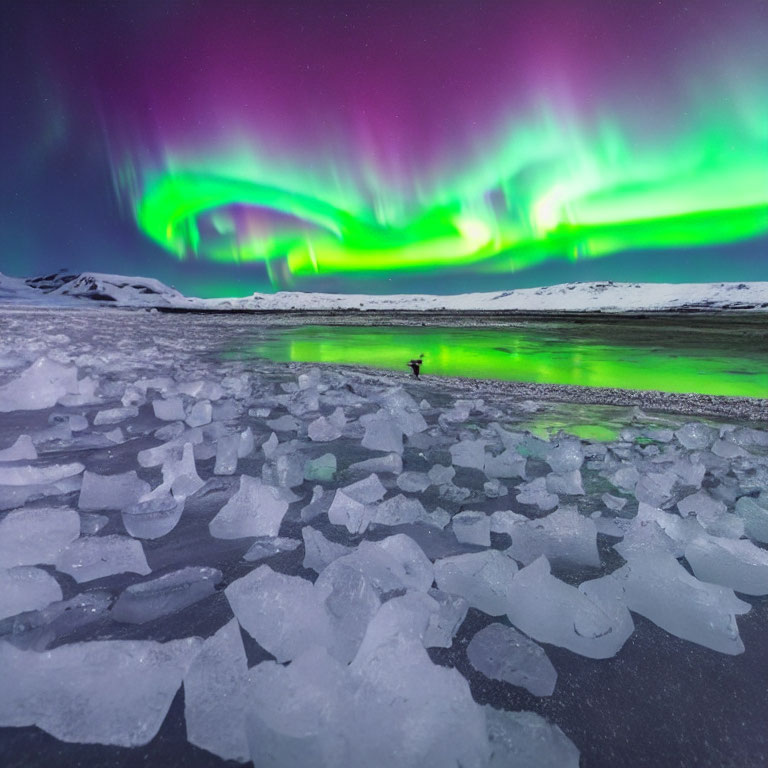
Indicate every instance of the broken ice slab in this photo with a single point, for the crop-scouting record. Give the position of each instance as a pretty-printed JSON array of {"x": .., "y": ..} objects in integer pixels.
[
  {"x": 104, "y": 692},
  {"x": 565, "y": 456},
  {"x": 493, "y": 489},
  {"x": 382, "y": 433},
  {"x": 469, "y": 453},
  {"x": 284, "y": 424},
  {"x": 439, "y": 474},
  {"x": 318, "y": 504},
  {"x": 94, "y": 557},
  {"x": 502, "y": 653},
  {"x": 226, "y": 455},
  {"x": 507, "y": 464},
  {"x": 551, "y": 611},
  {"x": 445, "y": 622},
  {"x": 115, "y": 415},
  {"x": 625, "y": 478},
  {"x": 568, "y": 483},
  {"x": 483, "y": 579},
  {"x": 215, "y": 695},
  {"x": 25, "y": 588},
  {"x": 696, "y": 436},
  {"x": 167, "y": 594},
  {"x": 268, "y": 546},
  {"x": 659, "y": 588},
  {"x": 566, "y": 538},
  {"x": 614, "y": 503},
  {"x": 255, "y": 509},
  {"x": 39, "y": 386},
  {"x": 153, "y": 518},
  {"x": 322, "y": 469},
  {"x": 284, "y": 614},
  {"x": 285, "y": 469},
  {"x": 536, "y": 494},
  {"x": 22, "y": 450},
  {"x": 734, "y": 563},
  {"x": 392, "y": 462},
  {"x": 320, "y": 551},
  {"x": 527, "y": 739},
  {"x": 504, "y": 521},
  {"x": 110, "y": 491},
  {"x": 169, "y": 409},
  {"x": 91, "y": 523},
  {"x": 323, "y": 430},
  {"x": 37, "y": 630},
  {"x": 413, "y": 482},
  {"x": 351, "y": 504},
  {"x": 754, "y": 512},
  {"x": 655, "y": 488},
  {"x": 399, "y": 510},
  {"x": 37, "y": 535},
  {"x": 30, "y": 474},
  {"x": 471, "y": 527},
  {"x": 394, "y": 563}
]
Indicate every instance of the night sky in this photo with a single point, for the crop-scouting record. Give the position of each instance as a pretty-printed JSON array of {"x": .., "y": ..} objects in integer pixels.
[{"x": 405, "y": 145}]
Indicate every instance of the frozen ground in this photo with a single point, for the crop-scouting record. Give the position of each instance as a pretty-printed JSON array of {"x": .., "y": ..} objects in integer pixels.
[{"x": 205, "y": 560}]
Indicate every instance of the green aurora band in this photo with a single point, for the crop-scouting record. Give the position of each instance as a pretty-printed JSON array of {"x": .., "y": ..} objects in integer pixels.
[{"x": 547, "y": 190}]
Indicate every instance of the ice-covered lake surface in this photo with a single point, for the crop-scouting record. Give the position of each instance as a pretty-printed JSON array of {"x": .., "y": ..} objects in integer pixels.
[
  {"x": 206, "y": 557},
  {"x": 679, "y": 354}
]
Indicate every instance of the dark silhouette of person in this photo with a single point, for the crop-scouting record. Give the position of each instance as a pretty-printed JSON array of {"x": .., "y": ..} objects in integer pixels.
[{"x": 415, "y": 365}]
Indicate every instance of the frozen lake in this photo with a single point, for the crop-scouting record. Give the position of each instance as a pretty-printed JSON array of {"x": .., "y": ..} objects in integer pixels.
[
  {"x": 207, "y": 553},
  {"x": 674, "y": 355}
]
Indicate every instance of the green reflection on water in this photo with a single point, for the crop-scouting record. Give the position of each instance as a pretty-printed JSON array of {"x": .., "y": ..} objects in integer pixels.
[{"x": 633, "y": 357}]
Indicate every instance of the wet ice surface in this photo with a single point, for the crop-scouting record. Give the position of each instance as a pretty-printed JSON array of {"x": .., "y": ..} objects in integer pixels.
[{"x": 347, "y": 569}]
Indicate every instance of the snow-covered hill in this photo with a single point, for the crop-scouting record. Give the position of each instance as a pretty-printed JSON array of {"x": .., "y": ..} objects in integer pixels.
[{"x": 609, "y": 297}]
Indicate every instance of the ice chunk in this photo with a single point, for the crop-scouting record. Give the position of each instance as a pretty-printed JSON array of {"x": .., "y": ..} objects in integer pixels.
[
  {"x": 24, "y": 588},
  {"x": 270, "y": 446},
  {"x": 439, "y": 474},
  {"x": 394, "y": 563},
  {"x": 91, "y": 523},
  {"x": 318, "y": 504},
  {"x": 284, "y": 614},
  {"x": 536, "y": 494},
  {"x": 321, "y": 469},
  {"x": 268, "y": 546},
  {"x": 625, "y": 478},
  {"x": 551, "y": 611},
  {"x": 319, "y": 551},
  {"x": 392, "y": 462},
  {"x": 28, "y": 474},
  {"x": 660, "y": 589},
  {"x": 472, "y": 527},
  {"x": 254, "y": 510},
  {"x": 413, "y": 482},
  {"x": 493, "y": 489},
  {"x": 200, "y": 414},
  {"x": 323, "y": 430},
  {"x": 94, "y": 557},
  {"x": 483, "y": 579},
  {"x": 37, "y": 630},
  {"x": 507, "y": 464},
  {"x": 39, "y": 386},
  {"x": 469, "y": 453},
  {"x": 399, "y": 510},
  {"x": 285, "y": 470},
  {"x": 565, "y": 456},
  {"x": 153, "y": 518},
  {"x": 382, "y": 433},
  {"x": 180, "y": 477},
  {"x": 246, "y": 444},
  {"x": 22, "y": 450},
  {"x": 655, "y": 488},
  {"x": 169, "y": 409},
  {"x": 110, "y": 491},
  {"x": 737, "y": 564},
  {"x": 696, "y": 436},
  {"x": 445, "y": 622},
  {"x": 702, "y": 505},
  {"x": 115, "y": 415},
  {"x": 227, "y": 449},
  {"x": 565, "y": 537},
  {"x": 504, "y": 521},
  {"x": 690, "y": 473},
  {"x": 727, "y": 449},
  {"x": 614, "y": 503},
  {"x": 104, "y": 692},
  {"x": 170, "y": 593},
  {"x": 34, "y": 536},
  {"x": 284, "y": 424},
  {"x": 502, "y": 653},
  {"x": 568, "y": 483},
  {"x": 754, "y": 513},
  {"x": 644, "y": 536},
  {"x": 527, "y": 739},
  {"x": 351, "y": 505},
  {"x": 215, "y": 695}
]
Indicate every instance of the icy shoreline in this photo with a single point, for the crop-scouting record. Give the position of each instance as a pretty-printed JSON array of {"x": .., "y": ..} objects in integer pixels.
[{"x": 411, "y": 550}]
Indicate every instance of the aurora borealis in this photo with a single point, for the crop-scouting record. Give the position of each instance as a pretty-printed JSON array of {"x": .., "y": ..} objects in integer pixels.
[{"x": 388, "y": 147}]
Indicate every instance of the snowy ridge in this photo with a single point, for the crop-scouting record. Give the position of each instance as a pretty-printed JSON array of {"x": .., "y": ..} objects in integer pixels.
[{"x": 609, "y": 297}]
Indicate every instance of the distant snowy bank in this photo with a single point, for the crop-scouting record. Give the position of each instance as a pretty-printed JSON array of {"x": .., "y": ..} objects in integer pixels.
[{"x": 69, "y": 290}]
